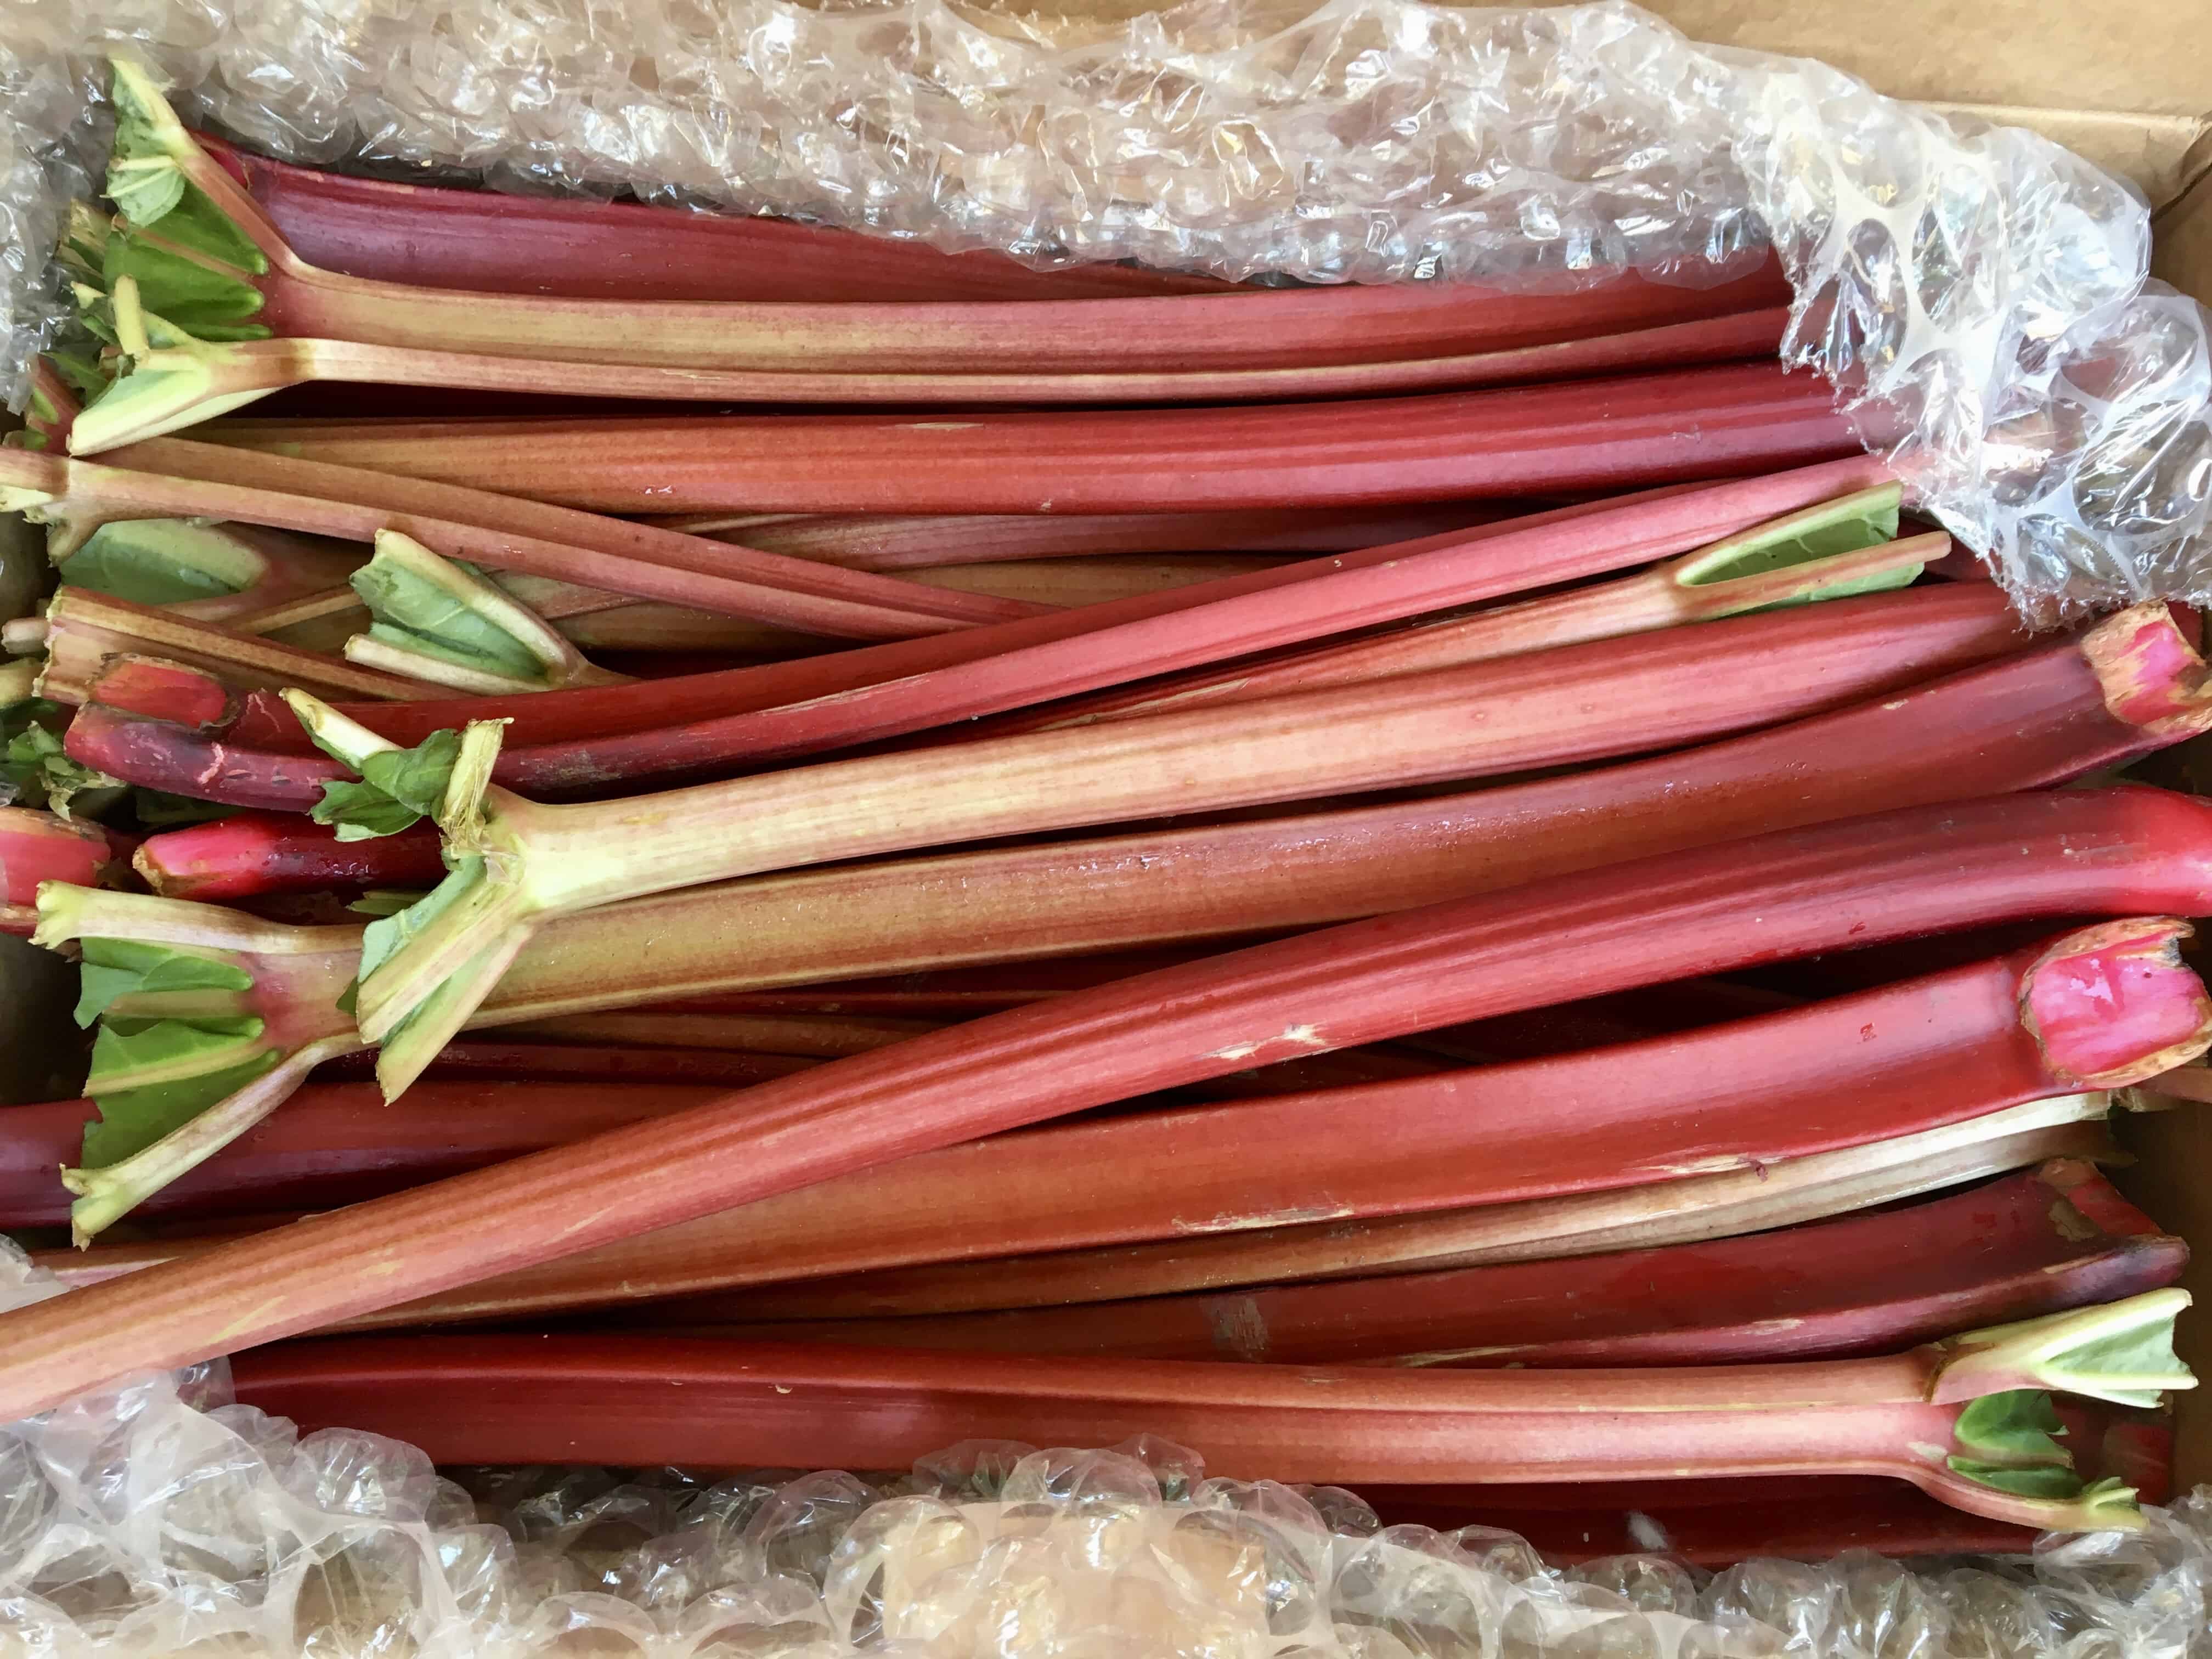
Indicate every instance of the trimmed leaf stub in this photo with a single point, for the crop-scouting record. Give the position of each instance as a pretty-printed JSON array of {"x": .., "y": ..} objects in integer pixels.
[
  {"x": 2121, "y": 1351},
  {"x": 396, "y": 790},
  {"x": 148, "y": 174},
  {"x": 439, "y": 620}
]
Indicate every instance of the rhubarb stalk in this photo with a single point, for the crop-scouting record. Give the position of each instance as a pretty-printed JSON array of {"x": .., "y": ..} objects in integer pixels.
[
  {"x": 623, "y": 559},
  {"x": 2038, "y": 720},
  {"x": 2065, "y": 853},
  {"x": 1687, "y": 1209},
  {"x": 2038, "y": 1242},
  {"x": 1580, "y": 436},
  {"x": 1963, "y": 1419},
  {"x": 1912, "y": 1058},
  {"x": 516, "y": 862}
]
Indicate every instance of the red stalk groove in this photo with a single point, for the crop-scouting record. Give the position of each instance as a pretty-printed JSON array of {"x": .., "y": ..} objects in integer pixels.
[
  {"x": 258, "y": 852},
  {"x": 483, "y": 242},
  {"x": 872, "y": 541},
  {"x": 631, "y": 1400},
  {"x": 2066, "y": 853},
  {"x": 1585, "y": 435},
  {"x": 1920, "y": 1055},
  {"x": 1132, "y": 647},
  {"x": 2034, "y": 1242}
]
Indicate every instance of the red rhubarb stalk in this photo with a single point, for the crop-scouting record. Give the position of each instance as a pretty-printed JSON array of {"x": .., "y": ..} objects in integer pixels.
[
  {"x": 578, "y": 249},
  {"x": 175, "y": 381},
  {"x": 258, "y": 853},
  {"x": 874, "y": 541},
  {"x": 1132, "y": 637},
  {"x": 2038, "y": 1242},
  {"x": 1252, "y": 328},
  {"x": 2098, "y": 1009},
  {"x": 1580, "y": 436},
  {"x": 2064, "y": 852},
  {"x": 1911, "y": 1416},
  {"x": 1698, "y": 587},
  {"x": 1685, "y": 1210},
  {"x": 623, "y": 559},
  {"x": 83, "y": 631},
  {"x": 516, "y": 861}
]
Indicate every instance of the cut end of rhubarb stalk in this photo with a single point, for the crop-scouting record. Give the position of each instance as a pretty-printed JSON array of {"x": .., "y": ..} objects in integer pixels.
[
  {"x": 2115, "y": 1005},
  {"x": 38, "y": 848},
  {"x": 2151, "y": 676},
  {"x": 441, "y": 622},
  {"x": 2121, "y": 1351}
]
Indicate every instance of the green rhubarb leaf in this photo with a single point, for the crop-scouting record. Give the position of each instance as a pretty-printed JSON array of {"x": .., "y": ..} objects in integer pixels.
[
  {"x": 381, "y": 940},
  {"x": 79, "y": 366},
  {"x": 35, "y": 768},
  {"x": 131, "y": 1120},
  {"x": 160, "y": 562},
  {"x": 2019, "y": 1425},
  {"x": 415, "y": 614},
  {"x": 120, "y": 966},
  {"x": 188, "y": 294},
  {"x": 398, "y": 789},
  {"x": 145, "y": 178},
  {"x": 2047, "y": 1480}
]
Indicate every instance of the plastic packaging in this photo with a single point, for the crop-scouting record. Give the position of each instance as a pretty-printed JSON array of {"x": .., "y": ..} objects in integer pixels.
[
  {"x": 1977, "y": 293},
  {"x": 158, "y": 1518}
]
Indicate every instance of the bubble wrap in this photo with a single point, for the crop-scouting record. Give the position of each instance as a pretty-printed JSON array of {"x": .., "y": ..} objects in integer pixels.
[
  {"x": 158, "y": 1518},
  {"x": 1976, "y": 294}
]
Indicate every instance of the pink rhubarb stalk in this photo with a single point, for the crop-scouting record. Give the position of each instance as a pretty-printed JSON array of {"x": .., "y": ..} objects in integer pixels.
[
  {"x": 175, "y": 381},
  {"x": 987, "y": 669},
  {"x": 2059, "y": 1236},
  {"x": 1687, "y": 1209},
  {"x": 2063, "y": 852},
  {"x": 258, "y": 853},
  {"x": 635, "y": 560},
  {"x": 490, "y": 1400},
  {"x": 875, "y": 541},
  {"x": 1579, "y": 436},
  {"x": 517, "y": 862},
  {"x": 2097, "y": 1010},
  {"x": 83, "y": 632},
  {"x": 485, "y": 242},
  {"x": 1696, "y": 588}
]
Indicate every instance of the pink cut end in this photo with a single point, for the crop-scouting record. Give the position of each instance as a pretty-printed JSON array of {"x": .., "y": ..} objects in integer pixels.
[
  {"x": 165, "y": 690},
  {"x": 2151, "y": 675},
  {"x": 2115, "y": 1005},
  {"x": 37, "y": 847}
]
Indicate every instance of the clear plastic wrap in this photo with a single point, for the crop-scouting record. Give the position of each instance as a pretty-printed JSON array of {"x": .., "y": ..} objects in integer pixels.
[
  {"x": 158, "y": 1518},
  {"x": 1977, "y": 293}
]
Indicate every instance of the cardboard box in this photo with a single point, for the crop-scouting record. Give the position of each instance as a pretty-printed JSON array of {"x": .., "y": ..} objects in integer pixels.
[{"x": 2127, "y": 84}]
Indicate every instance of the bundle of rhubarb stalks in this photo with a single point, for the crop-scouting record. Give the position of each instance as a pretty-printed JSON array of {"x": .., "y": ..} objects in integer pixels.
[{"x": 1424, "y": 888}]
